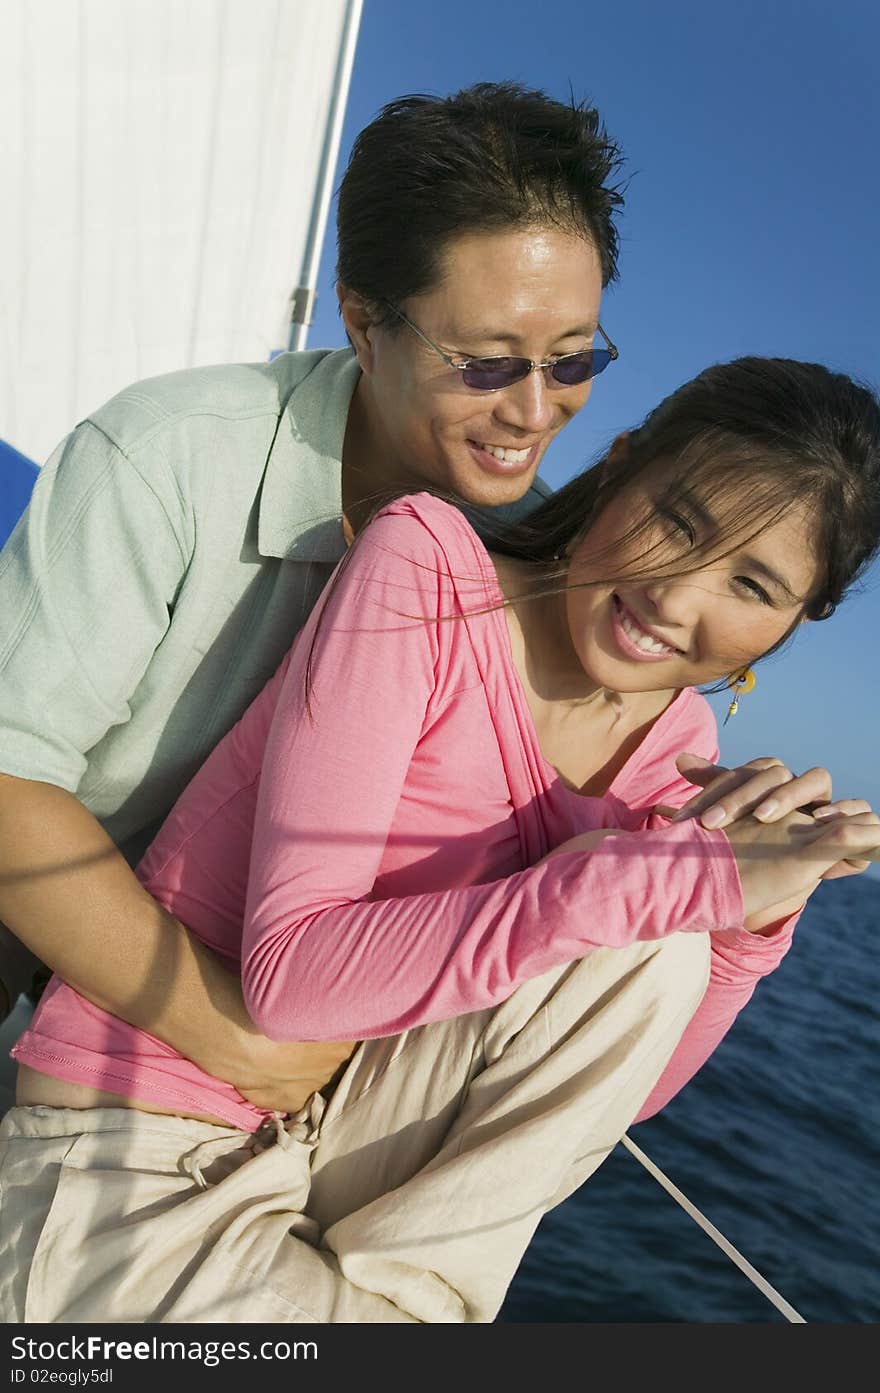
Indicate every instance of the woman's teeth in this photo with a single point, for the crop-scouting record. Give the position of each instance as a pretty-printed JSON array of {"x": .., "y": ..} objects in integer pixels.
[
  {"x": 637, "y": 634},
  {"x": 508, "y": 456}
]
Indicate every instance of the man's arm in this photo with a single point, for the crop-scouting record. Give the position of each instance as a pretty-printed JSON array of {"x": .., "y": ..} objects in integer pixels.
[
  {"x": 66, "y": 891},
  {"x": 88, "y": 583},
  {"x": 65, "y": 886}
]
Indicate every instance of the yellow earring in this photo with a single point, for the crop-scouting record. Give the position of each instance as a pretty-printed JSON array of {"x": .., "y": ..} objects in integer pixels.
[{"x": 742, "y": 683}]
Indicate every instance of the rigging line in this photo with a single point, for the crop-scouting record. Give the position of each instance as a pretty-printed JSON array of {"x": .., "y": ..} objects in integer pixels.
[{"x": 716, "y": 1235}]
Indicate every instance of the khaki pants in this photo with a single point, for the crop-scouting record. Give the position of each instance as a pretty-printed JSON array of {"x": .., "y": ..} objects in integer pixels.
[{"x": 411, "y": 1196}]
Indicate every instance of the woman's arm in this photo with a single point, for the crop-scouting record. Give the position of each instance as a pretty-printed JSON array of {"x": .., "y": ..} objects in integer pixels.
[
  {"x": 740, "y": 958},
  {"x": 320, "y": 957}
]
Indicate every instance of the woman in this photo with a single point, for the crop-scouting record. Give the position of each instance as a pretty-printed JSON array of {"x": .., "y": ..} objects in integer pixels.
[{"x": 487, "y": 738}]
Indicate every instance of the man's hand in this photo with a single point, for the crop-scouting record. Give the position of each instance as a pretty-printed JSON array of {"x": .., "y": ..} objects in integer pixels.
[{"x": 282, "y": 1076}]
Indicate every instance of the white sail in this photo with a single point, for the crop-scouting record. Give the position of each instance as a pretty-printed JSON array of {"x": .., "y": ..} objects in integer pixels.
[{"x": 161, "y": 164}]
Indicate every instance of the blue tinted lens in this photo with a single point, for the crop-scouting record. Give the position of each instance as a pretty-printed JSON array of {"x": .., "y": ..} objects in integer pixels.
[
  {"x": 575, "y": 368},
  {"x": 490, "y": 374}
]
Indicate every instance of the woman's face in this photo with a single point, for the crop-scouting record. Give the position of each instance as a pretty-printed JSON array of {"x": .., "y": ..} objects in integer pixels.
[
  {"x": 531, "y": 293},
  {"x": 653, "y": 633}
]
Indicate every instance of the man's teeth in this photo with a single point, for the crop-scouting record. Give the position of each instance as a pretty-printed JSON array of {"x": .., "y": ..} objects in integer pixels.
[
  {"x": 639, "y": 637},
  {"x": 508, "y": 456}
]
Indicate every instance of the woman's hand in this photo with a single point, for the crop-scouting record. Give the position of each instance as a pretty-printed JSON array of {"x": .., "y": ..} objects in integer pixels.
[
  {"x": 767, "y": 790},
  {"x": 781, "y": 863},
  {"x": 764, "y": 787}
]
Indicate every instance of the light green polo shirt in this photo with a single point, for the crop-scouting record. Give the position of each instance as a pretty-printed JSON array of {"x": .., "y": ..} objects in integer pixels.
[{"x": 174, "y": 544}]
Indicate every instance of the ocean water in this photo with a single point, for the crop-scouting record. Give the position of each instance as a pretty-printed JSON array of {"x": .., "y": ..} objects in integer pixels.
[{"x": 776, "y": 1140}]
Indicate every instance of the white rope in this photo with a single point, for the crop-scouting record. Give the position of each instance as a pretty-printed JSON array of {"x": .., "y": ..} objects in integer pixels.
[{"x": 752, "y": 1273}]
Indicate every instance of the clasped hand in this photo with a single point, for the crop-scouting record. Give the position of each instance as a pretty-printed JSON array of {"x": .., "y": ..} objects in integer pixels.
[{"x": 785, "y": 831}]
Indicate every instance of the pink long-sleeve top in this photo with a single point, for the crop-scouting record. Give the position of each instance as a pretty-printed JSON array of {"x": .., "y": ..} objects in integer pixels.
[{"x": 366, "y": 842}]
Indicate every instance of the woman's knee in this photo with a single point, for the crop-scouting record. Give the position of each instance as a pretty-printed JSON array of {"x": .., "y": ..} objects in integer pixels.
[{"x": 682, "y": 962}]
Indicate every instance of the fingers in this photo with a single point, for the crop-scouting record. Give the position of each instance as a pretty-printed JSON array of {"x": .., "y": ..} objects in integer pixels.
[
  {"x": 801, "y": 791},
  {"x": 846, "y": 807},
  {"x": 686, "y": 761},
  {"x": 764, "y": 787},
  {"x": 703, "y": 771},
  {"x": 751, "y": 792},
  {"x": 728, "y": 793},
  {"x": 856, "y": 839},
  {"x": 768, "y": 791},
  {"x": 843, "y": 805}
]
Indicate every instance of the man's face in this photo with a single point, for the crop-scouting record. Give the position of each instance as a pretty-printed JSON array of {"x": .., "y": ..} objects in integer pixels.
[{"x": 530, "y": 293}]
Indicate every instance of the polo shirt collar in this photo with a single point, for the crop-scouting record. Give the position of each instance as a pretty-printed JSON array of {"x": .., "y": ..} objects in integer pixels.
[{"x": 300, "y": 511}]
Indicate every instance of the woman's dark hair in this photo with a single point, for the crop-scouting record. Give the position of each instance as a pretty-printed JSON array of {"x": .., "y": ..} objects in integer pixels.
[
  {"x": 752, "y": 439},
  {"x": 493, "y": 157}
]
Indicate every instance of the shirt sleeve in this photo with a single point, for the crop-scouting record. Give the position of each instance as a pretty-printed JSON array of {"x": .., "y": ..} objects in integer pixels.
[
  {"x": 320, "y": 958},
  {"x": 87, "y": 582}
]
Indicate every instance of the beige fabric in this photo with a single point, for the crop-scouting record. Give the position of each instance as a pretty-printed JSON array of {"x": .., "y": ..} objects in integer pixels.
[{"x": 422, "y": 1180}]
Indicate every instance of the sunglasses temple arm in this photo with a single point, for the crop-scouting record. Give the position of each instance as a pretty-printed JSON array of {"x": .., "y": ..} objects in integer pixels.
[{"x": 612, "y": 349}]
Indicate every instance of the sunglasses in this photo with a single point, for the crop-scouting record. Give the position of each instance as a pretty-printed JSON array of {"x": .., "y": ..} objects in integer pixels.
[{"x": 493, "y": 374}]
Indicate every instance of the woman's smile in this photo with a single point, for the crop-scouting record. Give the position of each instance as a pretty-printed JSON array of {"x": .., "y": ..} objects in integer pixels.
[{"x": 635, "y": 639}]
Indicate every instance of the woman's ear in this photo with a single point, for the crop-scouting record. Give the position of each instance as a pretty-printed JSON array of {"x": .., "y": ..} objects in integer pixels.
[{"x": 359, "y": 326}]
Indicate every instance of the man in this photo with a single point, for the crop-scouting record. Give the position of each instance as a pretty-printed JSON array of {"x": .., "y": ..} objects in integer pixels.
[{"x": 178, "y": 538}]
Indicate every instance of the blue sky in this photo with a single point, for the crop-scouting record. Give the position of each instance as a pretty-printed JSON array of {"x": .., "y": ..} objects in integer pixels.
[{"x": 751, "y": 132}]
